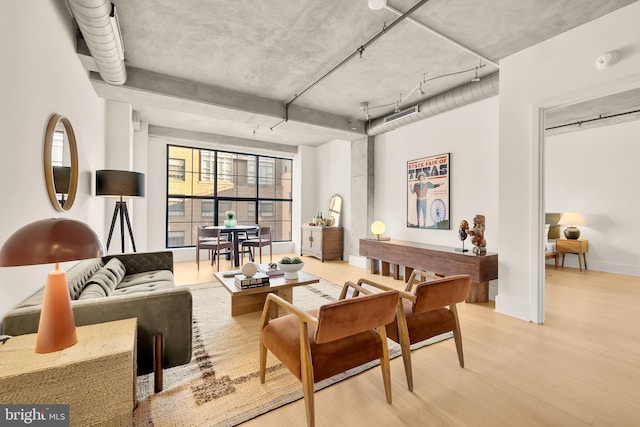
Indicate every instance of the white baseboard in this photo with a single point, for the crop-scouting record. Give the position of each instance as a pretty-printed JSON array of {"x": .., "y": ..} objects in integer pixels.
[
  {"x": 359, "y": 261},
  {"x": 513, "y": 307}
]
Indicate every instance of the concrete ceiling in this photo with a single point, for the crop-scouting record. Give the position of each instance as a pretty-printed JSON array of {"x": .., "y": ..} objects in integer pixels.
[{"x": 231, "y": 67}]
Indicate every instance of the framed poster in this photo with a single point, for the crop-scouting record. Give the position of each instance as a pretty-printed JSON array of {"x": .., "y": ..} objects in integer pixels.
[{"x": 428, "y": 192}]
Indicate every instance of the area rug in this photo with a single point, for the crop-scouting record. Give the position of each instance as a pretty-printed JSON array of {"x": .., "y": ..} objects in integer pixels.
[{"x": 221, "y": 385}]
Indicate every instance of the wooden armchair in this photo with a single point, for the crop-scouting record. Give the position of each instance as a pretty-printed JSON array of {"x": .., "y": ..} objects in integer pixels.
[
  {"x": 321, "y": 343},
  {"x": 425, "y": 311}
]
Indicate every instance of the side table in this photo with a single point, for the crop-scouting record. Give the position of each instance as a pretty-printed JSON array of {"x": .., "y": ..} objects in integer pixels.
[
  {"x": 96, "y": 377},
  {"x": 573, "y": 246}
]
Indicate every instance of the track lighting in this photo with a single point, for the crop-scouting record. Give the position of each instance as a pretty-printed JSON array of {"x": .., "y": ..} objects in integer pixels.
[
  {"x": 475, "y": 76},
  {"x": 420, "y": 91},
  {"x": 377, "y": 4},
  {"x": 274, "y": 127},
  {"x": 365, "y": 108}
]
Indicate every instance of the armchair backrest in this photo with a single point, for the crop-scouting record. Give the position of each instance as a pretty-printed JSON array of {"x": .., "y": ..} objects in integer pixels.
[
  {"x": 441, "y": 292},
  {"x": 351, "y": 316}
]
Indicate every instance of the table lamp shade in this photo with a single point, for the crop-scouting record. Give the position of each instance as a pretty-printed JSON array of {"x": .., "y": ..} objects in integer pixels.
[
  {"x": 47, "y": 241},
  {"x": 119, "y": 183},
  {"x": 378, "y": 228},
  {"x": 571, "y": 219}
]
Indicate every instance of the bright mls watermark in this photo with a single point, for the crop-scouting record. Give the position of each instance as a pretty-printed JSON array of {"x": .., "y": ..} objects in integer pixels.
[{"x": 34, "y": 415}]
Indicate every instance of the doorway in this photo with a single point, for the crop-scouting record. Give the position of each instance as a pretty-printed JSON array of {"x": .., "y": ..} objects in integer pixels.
[{"x": 613, "y": 103}]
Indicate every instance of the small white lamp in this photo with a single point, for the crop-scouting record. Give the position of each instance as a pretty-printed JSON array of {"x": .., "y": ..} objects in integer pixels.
[
  {"x": 377, "y": 228},
  {"x": 571, "y": 219}
]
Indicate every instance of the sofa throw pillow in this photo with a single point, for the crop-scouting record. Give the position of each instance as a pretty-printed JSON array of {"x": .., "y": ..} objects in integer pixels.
[
  {"x": 92, "y": 290},
  {"x": 103, "y": 278},
  {"x": 117, "y": 268},
  {"x": 546, "y": 231}
]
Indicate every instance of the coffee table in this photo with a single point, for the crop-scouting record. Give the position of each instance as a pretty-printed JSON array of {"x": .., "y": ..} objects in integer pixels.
[{"x": 252, "y": 299}]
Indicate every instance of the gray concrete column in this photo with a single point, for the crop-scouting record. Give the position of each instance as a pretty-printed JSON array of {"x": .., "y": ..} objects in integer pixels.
[{"x": 362, "y": 192}]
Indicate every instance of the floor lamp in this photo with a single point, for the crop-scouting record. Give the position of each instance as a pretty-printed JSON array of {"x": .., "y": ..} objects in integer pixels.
[{"x": 114, "y": 183}]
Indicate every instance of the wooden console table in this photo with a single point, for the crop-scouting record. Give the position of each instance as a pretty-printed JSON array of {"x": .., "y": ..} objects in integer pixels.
[{"x": 437, "y": 259}]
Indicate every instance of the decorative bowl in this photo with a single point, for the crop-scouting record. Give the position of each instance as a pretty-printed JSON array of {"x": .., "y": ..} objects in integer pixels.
[{"x": 290, "y": 270}]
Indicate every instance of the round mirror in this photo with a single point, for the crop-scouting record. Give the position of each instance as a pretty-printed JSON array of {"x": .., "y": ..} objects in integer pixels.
[
  {"x": 60, "y": 163},
  {"x": 335, "y": 206}
]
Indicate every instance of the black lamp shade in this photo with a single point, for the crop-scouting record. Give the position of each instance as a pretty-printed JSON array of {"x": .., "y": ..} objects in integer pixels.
[
  {"x": 119, "y": 183},
  {"x": 61, "y": 177}
]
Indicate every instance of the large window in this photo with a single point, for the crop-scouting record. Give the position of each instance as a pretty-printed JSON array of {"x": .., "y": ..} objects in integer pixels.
[
  {"x": 176, "y": 169},
  {"x": 203, "y": 184}
]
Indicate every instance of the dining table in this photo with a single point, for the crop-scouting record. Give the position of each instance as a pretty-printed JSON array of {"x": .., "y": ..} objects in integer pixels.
[{"x": 233, "y": 232}]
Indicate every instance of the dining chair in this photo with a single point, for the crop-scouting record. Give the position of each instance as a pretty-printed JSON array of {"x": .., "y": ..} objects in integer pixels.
[
  {"x": 318, "y": 344},
  {"x": 263, "y": 239},
  {"x": 212, "y": 240},
  {"x": 425, "y": 312}
]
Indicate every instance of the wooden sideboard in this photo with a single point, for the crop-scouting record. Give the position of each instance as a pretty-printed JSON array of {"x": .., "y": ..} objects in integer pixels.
[
  {"x": 441, "y": 260},
  {"x": 322, "y": 242}
]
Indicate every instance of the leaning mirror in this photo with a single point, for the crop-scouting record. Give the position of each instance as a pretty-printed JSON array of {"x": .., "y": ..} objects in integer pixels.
[
  {"x": 335, "y": 206},
  {"x": 60, "y": 163}
]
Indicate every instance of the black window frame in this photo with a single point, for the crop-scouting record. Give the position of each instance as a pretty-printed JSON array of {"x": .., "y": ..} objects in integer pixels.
[{"x": 218, "y": 214}]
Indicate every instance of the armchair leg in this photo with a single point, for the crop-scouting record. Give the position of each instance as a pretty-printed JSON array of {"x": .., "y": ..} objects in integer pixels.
[
  {"x": 384, "y": 364},
  {"x": 157, "y": 371},
  {"x": 405, "y": 345},
  {"x": 263, "y": 361},
  {"x": 307, "y": 375},
  {"x": 457, "y": 336}
]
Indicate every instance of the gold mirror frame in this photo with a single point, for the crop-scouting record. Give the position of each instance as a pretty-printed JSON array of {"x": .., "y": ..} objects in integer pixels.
[{"x": 48, "y": 167}]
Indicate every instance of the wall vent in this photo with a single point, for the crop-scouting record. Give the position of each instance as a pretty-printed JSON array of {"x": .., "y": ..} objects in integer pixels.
[{"x": 400, "y": 114}]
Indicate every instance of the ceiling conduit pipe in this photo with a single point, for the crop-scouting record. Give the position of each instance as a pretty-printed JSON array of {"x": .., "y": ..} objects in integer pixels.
[
  {"x": 457, "y": 97},
  {"x": 97, "y": 21}
]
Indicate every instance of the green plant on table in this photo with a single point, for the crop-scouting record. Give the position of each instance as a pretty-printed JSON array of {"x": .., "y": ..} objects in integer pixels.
[{"x": 288, "y": 260}]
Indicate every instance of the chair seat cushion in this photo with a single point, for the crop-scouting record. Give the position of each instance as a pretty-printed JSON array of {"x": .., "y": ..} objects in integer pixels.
[
  {"x": 422, "y": 326},
  {"x": 282, "y": 337}
]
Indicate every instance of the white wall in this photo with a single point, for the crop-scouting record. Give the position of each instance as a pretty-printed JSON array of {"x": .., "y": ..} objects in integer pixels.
[
  {"x": 470, "y": 134},
  {"x": 333, "y": 164},
  {"x": 594, "y": 172},
  {"x": 555, "y": 72},
  {"x": 42, "y": 75}
]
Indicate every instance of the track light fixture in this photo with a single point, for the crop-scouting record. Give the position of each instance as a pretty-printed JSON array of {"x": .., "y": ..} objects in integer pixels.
[
  {"x": 365, "y": 108},
  {"x": 377, "y": 4},
  {"x": 475, "y": 73},
  {"x": 475, "y": 76},
  {"x": 274, "y": 127},
  {"x": 364, "y": 111}
]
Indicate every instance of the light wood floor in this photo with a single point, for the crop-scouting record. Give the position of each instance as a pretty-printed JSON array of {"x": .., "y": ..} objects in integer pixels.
[{"x": 582, "y": 367}]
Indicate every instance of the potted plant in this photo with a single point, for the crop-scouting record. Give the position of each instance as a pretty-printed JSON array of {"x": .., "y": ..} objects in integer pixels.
[
  {"x": 230, "y": 221},
  {"x": 290, "y": 266}
]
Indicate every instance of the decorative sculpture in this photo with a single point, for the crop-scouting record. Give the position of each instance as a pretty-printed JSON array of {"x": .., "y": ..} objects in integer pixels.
[
  {"x": 462, "y": 234},
  {"x": 477, "y": 235}
]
